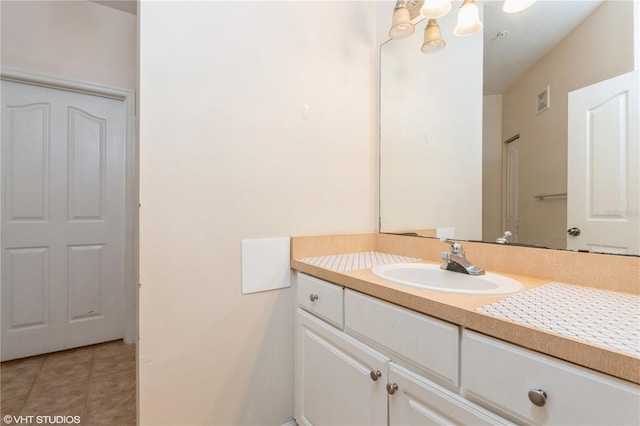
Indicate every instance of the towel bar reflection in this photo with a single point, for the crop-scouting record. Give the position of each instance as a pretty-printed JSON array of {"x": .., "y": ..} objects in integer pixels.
[{"x": 543, "y": 196}]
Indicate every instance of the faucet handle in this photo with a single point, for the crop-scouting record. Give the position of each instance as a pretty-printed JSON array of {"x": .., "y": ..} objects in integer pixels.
[
  {"x": 505, "y": 238},
  {"x": 456, "y": 248}
]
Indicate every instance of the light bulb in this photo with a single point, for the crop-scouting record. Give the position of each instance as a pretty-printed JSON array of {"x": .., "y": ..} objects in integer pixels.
[
  {"x": 401, "y": 25},
  {"x": 468, "y": 19},
  {"x": 434, "y": 9},
  {"x": 433, "y": 41},
  {"x": 514, "y": 6}
]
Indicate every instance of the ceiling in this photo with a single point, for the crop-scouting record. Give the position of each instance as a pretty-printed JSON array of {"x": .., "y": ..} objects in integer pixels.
[
  {"x": 530, "y": 34},
  {"x": 129, "y": 6}
]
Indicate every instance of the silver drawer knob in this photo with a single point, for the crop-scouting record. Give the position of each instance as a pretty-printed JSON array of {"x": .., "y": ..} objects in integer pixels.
[
  {"x": 375, "y": 375},
  {"x": 313, "y": 297},
  {"x": 538, "y": 397},
  {"x": 392, "y": 388}
]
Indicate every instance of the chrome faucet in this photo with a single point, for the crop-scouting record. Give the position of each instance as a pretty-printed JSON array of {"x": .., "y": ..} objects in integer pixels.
[{"x": 457, "y": 261}]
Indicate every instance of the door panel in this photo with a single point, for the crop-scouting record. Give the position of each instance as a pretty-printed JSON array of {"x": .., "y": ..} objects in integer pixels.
[
  {"x": 607, "y": 179},
  {"x": 28, "y": 287},
  {"x": 85, "y": 282},
  {"x": 86, "y": 165},
  {"x": 26, "y": 162},
  {"x": 603, "y": 178},
  {"x": 63, "y": 205}
]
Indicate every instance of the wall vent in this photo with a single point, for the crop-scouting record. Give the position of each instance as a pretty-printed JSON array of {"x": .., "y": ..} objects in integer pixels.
[{"x": 543, "y": 101}]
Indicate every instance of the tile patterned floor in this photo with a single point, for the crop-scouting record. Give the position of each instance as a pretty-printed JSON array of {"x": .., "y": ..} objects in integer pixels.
[{"x": 96, "y": 383}]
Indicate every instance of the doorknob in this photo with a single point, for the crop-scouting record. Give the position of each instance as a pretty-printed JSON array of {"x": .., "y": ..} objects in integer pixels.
[{"x": 574, "y": 232}]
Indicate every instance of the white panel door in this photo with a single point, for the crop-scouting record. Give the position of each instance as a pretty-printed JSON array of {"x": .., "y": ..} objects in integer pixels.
[
  {"x": 604, "y": 157},
  {"x": 512, "y": 189},
  {"x": 63, "y": 211}
]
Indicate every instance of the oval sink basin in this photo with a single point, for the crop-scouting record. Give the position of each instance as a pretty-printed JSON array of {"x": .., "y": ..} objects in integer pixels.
[{"x": 431, "y": 277}]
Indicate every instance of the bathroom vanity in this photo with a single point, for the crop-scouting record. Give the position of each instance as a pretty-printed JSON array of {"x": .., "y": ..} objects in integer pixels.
[{"x": 369, "y": 351}]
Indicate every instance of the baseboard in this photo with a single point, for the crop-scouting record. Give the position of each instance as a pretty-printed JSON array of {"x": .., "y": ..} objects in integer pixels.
[{"x": 291, "y": 422}]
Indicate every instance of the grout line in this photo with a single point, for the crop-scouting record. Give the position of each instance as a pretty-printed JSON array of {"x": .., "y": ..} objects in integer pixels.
[
  {"x": 85, "y": 415},
  {"x": 33, "y": 383}
]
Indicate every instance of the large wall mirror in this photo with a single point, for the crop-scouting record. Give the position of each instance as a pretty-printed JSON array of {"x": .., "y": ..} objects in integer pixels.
[{"x": 530, "y": 126}]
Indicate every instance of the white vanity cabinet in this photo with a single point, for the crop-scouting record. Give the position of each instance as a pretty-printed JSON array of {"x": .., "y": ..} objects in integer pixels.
[
  {"x": 361, "y": 360},
  {"x": 339, "y": 380},
  {"x": 533, "y": 388}
]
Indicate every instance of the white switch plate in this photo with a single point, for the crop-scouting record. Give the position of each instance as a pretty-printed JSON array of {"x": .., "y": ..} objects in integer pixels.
[{"x": 265, "y": 264}]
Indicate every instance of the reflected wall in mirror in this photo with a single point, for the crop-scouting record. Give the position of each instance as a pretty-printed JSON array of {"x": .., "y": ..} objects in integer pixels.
[{"x": 445, "y": 166}]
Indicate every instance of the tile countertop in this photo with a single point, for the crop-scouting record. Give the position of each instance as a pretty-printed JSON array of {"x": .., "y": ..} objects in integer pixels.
[{"x": 463, "y": 309}]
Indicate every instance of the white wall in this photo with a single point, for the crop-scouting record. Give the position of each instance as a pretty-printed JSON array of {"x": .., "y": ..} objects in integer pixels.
[
  {"x": 71, "y": 39},
  {"x": 227, "y": 155},
  {"x": 636, "y": 34}
]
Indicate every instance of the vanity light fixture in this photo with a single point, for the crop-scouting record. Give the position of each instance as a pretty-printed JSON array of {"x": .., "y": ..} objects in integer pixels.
[
  {"x": 468, "y": 19},
  {"x": 468, "y": 22},
  {"x": 434, "y": 9},
  {"x": 401, "y": 25},
  {"x": 433, "y": 41},
  {"x": 514, "y": 6}
]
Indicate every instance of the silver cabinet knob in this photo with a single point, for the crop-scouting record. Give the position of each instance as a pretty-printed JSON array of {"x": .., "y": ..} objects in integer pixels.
[
  {"x": 375, "y": 375},
  {"x": 538, "y": 397},
  {"x": 313, "y": 297},
  {"x": 392, "y": 388}
]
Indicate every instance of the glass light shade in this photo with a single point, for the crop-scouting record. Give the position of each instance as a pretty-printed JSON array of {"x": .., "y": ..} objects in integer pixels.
[
  {"x": 433, "y": 41},
  {"x": 434, "y": 9},
  {"x": 514, "y": 6},
  {"x": 468, "y": 19},
  {"x": 401, "y": 25}
]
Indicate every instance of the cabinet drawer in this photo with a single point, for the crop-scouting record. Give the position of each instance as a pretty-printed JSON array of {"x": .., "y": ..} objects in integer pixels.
[
  {"x": 500, "y": 375},
  {"x": 321, "y": 298},
  {"x": 427, "y": 343}
]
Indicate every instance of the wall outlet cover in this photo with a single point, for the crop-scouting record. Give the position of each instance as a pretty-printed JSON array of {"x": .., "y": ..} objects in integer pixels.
[{"x": 265, "y": 264}]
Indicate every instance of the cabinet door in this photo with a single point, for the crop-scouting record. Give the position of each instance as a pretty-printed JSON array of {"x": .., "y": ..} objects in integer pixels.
[
  {"x": 417, "y": 401},
  {"x": 333, "y": 380}
]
